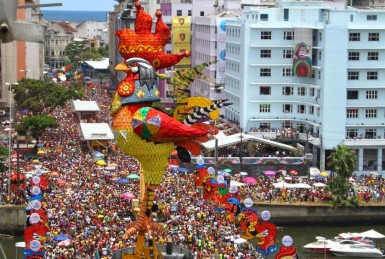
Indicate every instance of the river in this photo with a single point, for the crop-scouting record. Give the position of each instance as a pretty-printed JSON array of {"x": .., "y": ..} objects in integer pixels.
[{"x": 301, "y": 236}]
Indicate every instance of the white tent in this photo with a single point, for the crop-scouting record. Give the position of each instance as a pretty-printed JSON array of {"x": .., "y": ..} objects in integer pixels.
[
  {"x": 283, "y": 184},
  {"x": 372, "y": 234},
  {"x": 301, "y": 186},
  {"x": 319, "y": 184}
]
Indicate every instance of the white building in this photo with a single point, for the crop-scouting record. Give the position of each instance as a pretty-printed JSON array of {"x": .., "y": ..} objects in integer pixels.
[{"x": 329, "y": 86}]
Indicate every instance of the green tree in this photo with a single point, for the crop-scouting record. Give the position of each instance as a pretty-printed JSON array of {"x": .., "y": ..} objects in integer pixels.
[
  {"x": 90, "y": 54},
  {"x": 343, "y": 161},
  {"x": 104, "y": 51},
  {"x": 73, "y": 51},
  {"x": 40, "y": 97},
  {"x": 35, "y": 125}
]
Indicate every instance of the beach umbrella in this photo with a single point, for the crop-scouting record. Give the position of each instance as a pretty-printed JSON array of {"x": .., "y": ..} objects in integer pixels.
[
  {"x": 269, "y": 173},
  {"x": 96, "y": 153},
  {"x": 133, "y": 176},
  {"x": 61, "y": 182},
  {"x": 123, "y": 180},
  {"x": 243, "y": 173},
  {"x": 235, "y": 183},
  {"x": 64, "y": 243},
  {"x": 40, "y": 152},
  {"x": 101, "y": 162},
  {"x": 61, "y": 237},
  {"x": 249, "y": 179},
  {"x": 127, "y": 195},
  {"x": 293, "y": 172},
  {"x": 324, "y": 173},
  {"x": 228, "y": 170}
]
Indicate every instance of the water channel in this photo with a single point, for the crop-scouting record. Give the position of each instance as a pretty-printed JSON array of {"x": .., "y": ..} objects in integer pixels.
[{"x": 301, "y": 235}]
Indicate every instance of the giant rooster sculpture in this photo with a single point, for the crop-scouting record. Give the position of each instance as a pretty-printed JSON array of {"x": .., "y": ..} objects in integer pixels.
[{"x": 143, "y": 132}]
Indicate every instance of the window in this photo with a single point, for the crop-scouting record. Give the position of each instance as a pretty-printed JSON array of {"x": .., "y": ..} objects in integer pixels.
[
  {"x": 265, "y": 90},
  {"x": 288, "y": 35},
  {"x": 264, "y": 125},
  {"x": 301, "y": 108},
  {"x": 178, "y": 12},
  {"x": 372, "y": 55},
  {"x": 311, "y": 91},
  {"x": 264, "y": 108},
  {"x": 351, "y": 133},
  {"x": 265, "y": 72},
  {"x": 189, "y": 13},
  {"x": 264, "y": 17},
  {"x": 370, "y": 133},
  {"x": 372, "y": 75},
  {"x": 371, "y": 113},
  {"x": 354, "y": 36},
  {"x": 353, "y": 75},
  {"x": 354, "y": 55},
  {"x": 287, "y": 108},
  {"x": 265, "y": 53},
  {"x": 287, "y": 90},
  {"x": 286, "y": 72},
  {"x": 371, "y": 17},
  {"x": 374, "y": 36},
  {"x": 371, "y": 94},
  {"x": 352, "y": 113},
  {"x": 352, "y": 95},
  {"x": 302, "y": 91},
  {"x": 265, "y": 35},
  {"x": 311, "y": 109},
  {"x": 202, "y": 13},
  {"x": 287, "y": 53}
]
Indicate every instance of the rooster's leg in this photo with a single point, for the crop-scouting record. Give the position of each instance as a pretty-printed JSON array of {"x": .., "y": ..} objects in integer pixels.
[{"x": 144, "y": 223}]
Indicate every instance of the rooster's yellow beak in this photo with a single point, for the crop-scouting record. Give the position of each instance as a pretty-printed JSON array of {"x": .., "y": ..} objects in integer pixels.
[{"x": 122, "y": 67}]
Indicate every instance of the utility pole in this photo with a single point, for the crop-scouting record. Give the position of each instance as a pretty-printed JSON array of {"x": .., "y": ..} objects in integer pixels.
[{"x": 241, "y": 153}]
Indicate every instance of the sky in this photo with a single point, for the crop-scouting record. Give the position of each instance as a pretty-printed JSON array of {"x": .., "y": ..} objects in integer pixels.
[{"x": 81, "y": 5}]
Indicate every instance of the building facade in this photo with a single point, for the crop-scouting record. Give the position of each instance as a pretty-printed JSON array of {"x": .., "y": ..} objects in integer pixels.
[{"x": 314, "y": 67}]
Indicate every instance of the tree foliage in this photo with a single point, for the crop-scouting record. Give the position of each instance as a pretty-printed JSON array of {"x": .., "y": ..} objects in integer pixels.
[
  {"x": 73, "y": 51},
  {"x": 104, "y": 50},
  {"x": 339, "y": 188},
  {"x": 35, "y": 125},
  {"x": 41, "y": 97},
  {"x": 343, "y": 161}
]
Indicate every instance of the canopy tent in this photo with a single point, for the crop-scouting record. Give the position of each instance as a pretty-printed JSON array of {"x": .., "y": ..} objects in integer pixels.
[
  {"x": 97, "y": 135},
  {"x": 92, "y": 131},
  {"x": 224, "y": 141},
  {"x": 81, "y": 106},
  {"x": 282, "y": 184}
]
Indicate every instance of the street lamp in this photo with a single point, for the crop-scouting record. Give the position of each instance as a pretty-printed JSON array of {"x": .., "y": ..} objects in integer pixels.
[
  {"x": 241, "y": 153},
  {"x": 25, "y": 71},
  {"x": 10, "y": 134}
]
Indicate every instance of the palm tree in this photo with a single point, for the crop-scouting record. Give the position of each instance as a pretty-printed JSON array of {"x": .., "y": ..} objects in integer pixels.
[{"x": 343, "y": 161}]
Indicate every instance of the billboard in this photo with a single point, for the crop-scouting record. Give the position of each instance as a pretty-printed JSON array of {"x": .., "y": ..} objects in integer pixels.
[
  {"x": 302, "y": 58},
  {"x": 221, "y": 50},
  {"x": 181, "y": 37}
]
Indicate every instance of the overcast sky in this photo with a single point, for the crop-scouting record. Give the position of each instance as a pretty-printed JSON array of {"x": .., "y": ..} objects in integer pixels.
[{"x": 81, "y": 5}]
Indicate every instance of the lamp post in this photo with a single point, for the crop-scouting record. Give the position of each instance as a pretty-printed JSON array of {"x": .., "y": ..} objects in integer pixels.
[
  {"x": 216, "y": 90},
  {"x": 25, "y": 71},
  {"x": 10, "y": 134},
  {"x": 241, "y": 153}
]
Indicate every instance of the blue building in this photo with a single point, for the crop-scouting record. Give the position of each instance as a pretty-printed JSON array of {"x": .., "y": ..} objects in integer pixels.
[{"x": 313, "y": 67}]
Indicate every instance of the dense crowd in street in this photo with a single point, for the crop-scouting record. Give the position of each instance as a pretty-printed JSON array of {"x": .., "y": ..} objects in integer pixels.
[{"x": 84, "y": 200}]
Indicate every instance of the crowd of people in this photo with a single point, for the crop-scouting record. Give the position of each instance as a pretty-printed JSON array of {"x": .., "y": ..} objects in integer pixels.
[{"x": 84, "y": 200}]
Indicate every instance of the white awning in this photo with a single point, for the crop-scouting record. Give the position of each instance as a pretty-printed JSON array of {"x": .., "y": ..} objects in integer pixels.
[
  {"x": 224, "y": 140},
  {"x": 99, "y": 64},
  {"x": 96, "y": 131},
  {"x": 85, "y": 106}
]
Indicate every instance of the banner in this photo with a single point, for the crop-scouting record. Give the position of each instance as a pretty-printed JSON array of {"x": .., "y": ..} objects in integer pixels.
[
  {"x": 302, "y": 58},
  {"x": 221, "y": 50},
  {"x": 181, "y": 37}
]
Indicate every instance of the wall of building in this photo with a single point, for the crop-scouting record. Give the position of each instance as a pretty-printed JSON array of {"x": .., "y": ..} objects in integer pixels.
[{"x": 12, "y": 219}]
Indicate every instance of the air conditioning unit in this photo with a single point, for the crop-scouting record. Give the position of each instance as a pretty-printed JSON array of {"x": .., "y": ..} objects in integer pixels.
[
  {"x": 308, "y": 156},
  {"x": 2, "y": 112}
]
